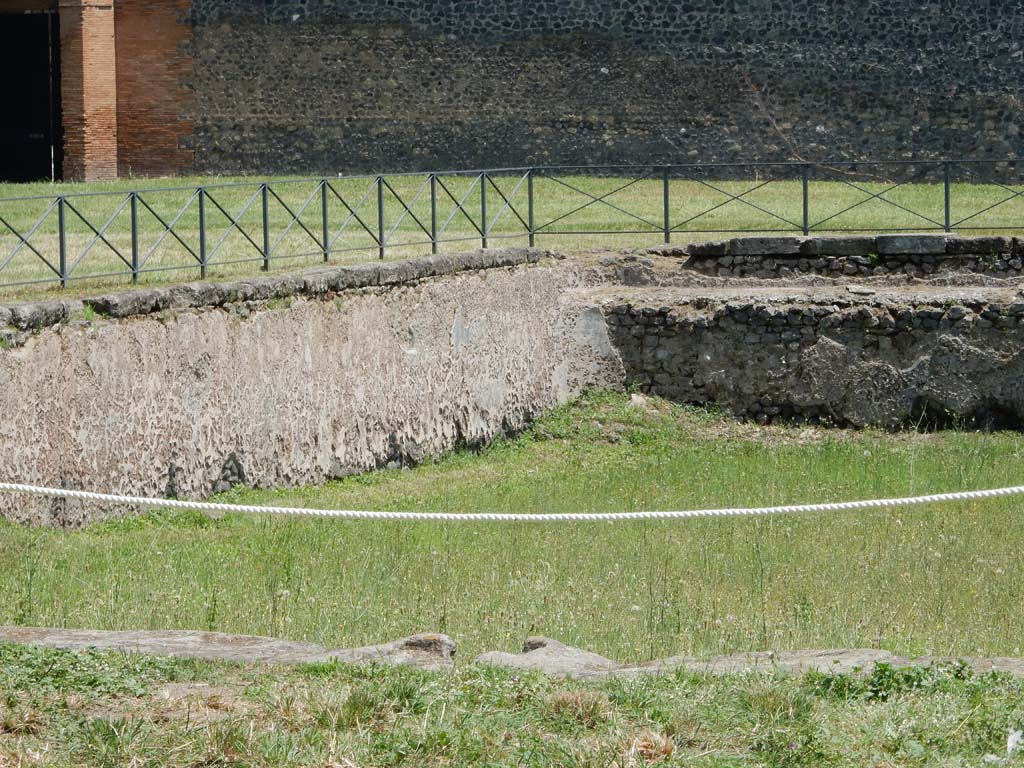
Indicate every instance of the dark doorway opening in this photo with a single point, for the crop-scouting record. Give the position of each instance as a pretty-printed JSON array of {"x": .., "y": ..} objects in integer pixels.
[{"x": 30, "y": 129}]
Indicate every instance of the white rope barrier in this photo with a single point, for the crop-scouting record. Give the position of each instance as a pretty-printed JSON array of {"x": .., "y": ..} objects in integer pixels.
[{"x": 505, "y": 517}]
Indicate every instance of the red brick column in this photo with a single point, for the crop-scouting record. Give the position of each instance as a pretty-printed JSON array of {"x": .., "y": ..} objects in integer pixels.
[
  {"x": 89, "y": 89},
  {"x": 153, "y": 67}
]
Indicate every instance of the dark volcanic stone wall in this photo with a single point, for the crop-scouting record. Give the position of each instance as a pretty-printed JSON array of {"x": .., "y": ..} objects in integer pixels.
[
  {"x": 842, "y": 362},
  {"x": 333, "y": 85}
]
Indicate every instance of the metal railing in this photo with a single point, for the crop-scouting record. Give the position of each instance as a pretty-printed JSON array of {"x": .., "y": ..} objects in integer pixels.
[{"x": 225, "y": 226}]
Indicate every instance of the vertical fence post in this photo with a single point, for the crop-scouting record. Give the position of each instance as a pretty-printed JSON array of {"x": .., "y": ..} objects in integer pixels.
[
  {"x": 433, "y": 213},
  {"x": 483, "y": 209},
  {"x": 202, "y": 233},
  {"x": 265, "y": 195},
  {"x": 946, "y": 173},
  {"x": 380, "y": 217},
  {"x": 135, "y": 236},
  {"x": 805, "y": 177},
  {"x": 63, "y": 241},
  {"x": 668, "y": 221},
  {"x": 325, "y": 230},
  {"x": 529, "y": 209}
]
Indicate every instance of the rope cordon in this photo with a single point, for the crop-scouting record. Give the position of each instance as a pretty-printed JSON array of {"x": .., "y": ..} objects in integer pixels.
[{"x": 505, "y": 517}]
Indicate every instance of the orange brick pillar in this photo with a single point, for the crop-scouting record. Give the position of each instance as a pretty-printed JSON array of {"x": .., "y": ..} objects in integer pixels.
[
  {"x": 89, "y": 89},
  {"x": 153, "y": 67}
]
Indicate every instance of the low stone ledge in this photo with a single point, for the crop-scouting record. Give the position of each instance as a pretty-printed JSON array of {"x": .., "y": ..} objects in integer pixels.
[
  {"x": 911, "y": 256},
  {"x": 551, "y": 657},
  {"x": 853, "y": 245},
  {"x": 982, "y": 246},
  {"x": 432, "y": 651},
  {"x": 41, "y": 314},
  {"x": 708, "y": 249},
  {"x": 312, "y": 282},
  {"x": 766, "y": 246},
  {"x": 558, "y": 660},
  {"x": 426, "y": 651},
  {"x": 902, "y": 245}
]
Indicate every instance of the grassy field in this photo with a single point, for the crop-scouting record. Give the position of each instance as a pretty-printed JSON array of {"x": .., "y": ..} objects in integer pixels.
[
  {"x": 631, "y": 215},
  {"x": 939, "y": 580},
  {"x": 104, "y": 710}
]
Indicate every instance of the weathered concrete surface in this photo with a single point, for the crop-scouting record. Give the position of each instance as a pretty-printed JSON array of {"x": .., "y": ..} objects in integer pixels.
[
  {"x": 316, "y": 388},
  {"x": 558, "y": 660},
  {"x": 551, "y": 657},
  {"x": 427, "y": 651},
  {"x": 437, "y": 652}
]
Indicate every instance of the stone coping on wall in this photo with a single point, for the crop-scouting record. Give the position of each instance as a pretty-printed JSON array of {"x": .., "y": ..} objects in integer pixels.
[
  {"x": 322, "y": 281},
  {"x": 912, "y": 255}
]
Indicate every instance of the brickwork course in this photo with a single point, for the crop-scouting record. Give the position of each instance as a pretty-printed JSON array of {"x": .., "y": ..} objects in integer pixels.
[{"x": 230, "y": 86}]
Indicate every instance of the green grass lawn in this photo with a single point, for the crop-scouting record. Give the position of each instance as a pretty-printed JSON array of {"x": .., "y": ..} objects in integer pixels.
[
  {"x": 934, "y": 579},
  {"x": 698, "y": 211},
  {"x": 90, "y": 709}
]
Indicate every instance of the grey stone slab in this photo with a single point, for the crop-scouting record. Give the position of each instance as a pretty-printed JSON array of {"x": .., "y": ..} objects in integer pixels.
[
  {"x": 201, "y": 294},
  {"x": 668, "y": 250},
  {"x": 27, "y": 317},
  {"x": 395, "y": 272},
  {"x": 129, "y": 303},
  {"x": 558, "y": 660},
  {"x": 427, "y": 651},
  {"x": 765, "y": 246},
  {"x": 847, "y": 245},
  {"x": 359, "y": 275},
  {"x": 552, "y": 658},
  {"x": 979, "y": 245},
  {"x": 709, "y": 249},
  {"x": 906, "y": 245}
]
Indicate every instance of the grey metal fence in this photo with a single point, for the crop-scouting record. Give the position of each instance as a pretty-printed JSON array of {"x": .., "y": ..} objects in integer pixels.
[{"x": 233, "y": 226}]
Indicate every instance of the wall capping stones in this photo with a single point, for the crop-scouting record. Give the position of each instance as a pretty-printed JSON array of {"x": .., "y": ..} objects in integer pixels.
[
  {"x": 912, "y": 255},
  {"x": 316, "y": 282}
]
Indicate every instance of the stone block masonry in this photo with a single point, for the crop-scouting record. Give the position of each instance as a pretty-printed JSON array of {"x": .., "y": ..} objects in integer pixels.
[
  {"x": 296, "y": 378},
  {"x": 154, "y": 126},
  {"x": 427, "y": 84},
  {"x": 830, "y": 359},
  {"x": 125, "y": 85},
  {"x": 89, "y": 88},
  {"x": 912, "y": 256},
  {"x": 293, "y": 86}
]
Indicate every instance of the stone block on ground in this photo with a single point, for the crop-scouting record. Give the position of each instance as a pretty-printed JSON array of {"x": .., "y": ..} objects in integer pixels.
[
  {"x": 28, "y": 317},
  {"x": 359, "y": 276},
  {"x": 128, "y": 303},
  {"x": 847, "y": 245},
  {"x": 709, "y": 249},
  {"x": 766, "y": 246},
  {"x": 979, "y": 245},
  {"x": 201, "y": 294},
  {"x": 558, "y": 660},
  {"x": 908, "y": 245},
  {"x": 427, "y": 651},
  {"x": 552, "y": 658}
]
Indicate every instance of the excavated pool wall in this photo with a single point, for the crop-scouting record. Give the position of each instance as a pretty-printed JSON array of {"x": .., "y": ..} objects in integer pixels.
[
  {"x": 297, "y": 379},
  {"x": 324, "y": 381}
]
